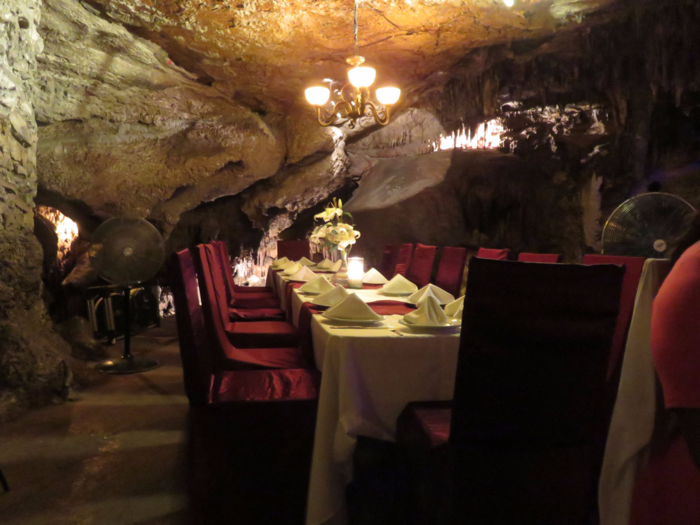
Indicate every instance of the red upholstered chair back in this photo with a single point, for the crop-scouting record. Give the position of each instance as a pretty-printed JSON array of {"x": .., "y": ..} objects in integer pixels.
[
  {"x": 190, "y": 329},
  {"x": 422, "y": 265},
  {"x": 489, "y": 253},
  {"x": 222, "y": 353},
  {"x": 403, "y": 262},
  {"x": 389, "y": 259},
  {"x": 527, "y": 409},
  {"x": 217, "y": 274},
  {"x": 634, "y": 267},
  {"x": 451, "y": 269},
  {"x": 293, "y": 250},
  {"x": 539, "y": 257},
  {"x": 225, "y": 265}
]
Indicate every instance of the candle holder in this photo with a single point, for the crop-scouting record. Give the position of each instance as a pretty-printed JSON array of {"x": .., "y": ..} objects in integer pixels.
[{"x": 356, "y": 271}]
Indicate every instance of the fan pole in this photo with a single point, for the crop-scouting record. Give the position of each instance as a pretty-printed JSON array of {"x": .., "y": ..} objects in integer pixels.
[
  {"x": 127, "y": 323},
  {"x": 128, "y": 364}
]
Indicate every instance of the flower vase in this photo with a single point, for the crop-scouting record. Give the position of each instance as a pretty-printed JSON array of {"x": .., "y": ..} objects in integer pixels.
[{"x": 341, "y": 276}]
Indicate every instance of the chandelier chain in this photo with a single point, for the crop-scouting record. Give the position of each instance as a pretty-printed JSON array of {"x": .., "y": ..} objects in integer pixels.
[{"x": 354, "y": 26}]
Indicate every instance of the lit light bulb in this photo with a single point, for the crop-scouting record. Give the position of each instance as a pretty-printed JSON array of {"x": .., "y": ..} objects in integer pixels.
[
  {"x": 388, "y": 95},
  {"x": 317, "y": 95},
  {"x": 509, "y": 3},
  {"x": 362, "y": 77}
]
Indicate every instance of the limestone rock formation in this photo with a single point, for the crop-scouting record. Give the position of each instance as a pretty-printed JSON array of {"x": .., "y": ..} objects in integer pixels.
[
  {"x": 265, "y": 52},
  {"x": 128, "y": 133},
  {"x": 32, "y": 366},
  {"x": 78, "y": 333},
  {"x": 458, "y": 198}
]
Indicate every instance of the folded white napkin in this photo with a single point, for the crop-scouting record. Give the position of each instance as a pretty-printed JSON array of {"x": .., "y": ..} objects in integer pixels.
[
  {"x": 352, "y": 308},
  {"x": 331, "y": 298},
  {"x": 325, "y": 264},
  {"x": 303, "y": 274},
  {"x": 441, "y": 295},
  {"x": 336, "y": 265},
  {"x": 278, "y": 263},
  {"x": 286, "y": 265},
  {"x": 399, "y": 284},
  {"x": 291, "y": 268},
  {"x": 428, "y": 314},
  {"x": 306, "y": 262},
  {"x": 374, "y": 277},
  {"x": 455, "y": 308},
  {"x": 319, "y": 285}
]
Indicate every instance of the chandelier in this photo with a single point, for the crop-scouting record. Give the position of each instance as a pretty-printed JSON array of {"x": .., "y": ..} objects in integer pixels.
[{"x": 354, "y": 96}]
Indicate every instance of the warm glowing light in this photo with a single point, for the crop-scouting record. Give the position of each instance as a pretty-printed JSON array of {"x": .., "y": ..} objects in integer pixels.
[
  {"x": 249, "y": 271},
  {"x": 509, "y": 3},
  {"x": 362, "y": 77},
  {"x": 356, "y": 271},
  {"x": 66, "y": 229},
  {"x": 318, "y": 95},
  {"x": 487, "y": 136},
  {"x": 388, "y": 95}
]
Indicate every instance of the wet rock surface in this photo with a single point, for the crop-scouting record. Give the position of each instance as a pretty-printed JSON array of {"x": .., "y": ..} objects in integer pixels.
[
  {"x": 79, "y": 335},
  {"x": 33, "y": 370}
]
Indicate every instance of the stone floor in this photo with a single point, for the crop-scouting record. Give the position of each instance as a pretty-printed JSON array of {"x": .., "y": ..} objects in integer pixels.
[{"x": 112, "y": 455}]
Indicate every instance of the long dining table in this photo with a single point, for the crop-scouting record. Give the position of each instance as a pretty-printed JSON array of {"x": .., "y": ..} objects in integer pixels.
[{"x": 368, "y": 376}]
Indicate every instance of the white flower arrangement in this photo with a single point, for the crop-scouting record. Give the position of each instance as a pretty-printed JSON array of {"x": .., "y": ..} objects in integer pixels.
[{"x": 333, "y": 233}]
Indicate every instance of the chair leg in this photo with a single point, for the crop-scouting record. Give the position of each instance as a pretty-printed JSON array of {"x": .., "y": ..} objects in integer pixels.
[{"x": 3, "y": 482}]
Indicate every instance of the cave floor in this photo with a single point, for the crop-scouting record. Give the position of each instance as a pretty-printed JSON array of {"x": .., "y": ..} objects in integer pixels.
[{"x": 112, "y": 455}]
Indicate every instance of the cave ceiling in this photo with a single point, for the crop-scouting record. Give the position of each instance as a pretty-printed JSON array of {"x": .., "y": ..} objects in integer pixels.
[{"x": 263, "y": 53}]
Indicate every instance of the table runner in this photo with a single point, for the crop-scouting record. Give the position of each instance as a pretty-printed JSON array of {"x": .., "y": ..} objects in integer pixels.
[{"x": 309, "y": 309}]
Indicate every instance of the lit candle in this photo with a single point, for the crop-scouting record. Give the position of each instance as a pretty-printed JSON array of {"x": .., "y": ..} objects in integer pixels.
[{"x": 356, "y": 271}]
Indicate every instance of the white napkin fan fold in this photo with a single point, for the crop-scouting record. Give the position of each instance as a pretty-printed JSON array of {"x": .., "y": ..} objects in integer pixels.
[
  {"x": 319, "y": 285},
  {"x": 331, "y": 297},
  {"x": 373, "y": 276},
  {"x": 428, "y": 314},
  {"x": 303, "y": 274},
  {"x": 441, "y": 295},
  {"x": 352, "y": 308}
]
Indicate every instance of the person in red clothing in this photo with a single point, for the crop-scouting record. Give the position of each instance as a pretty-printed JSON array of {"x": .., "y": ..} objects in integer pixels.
[{"x": 668, "y": 491}]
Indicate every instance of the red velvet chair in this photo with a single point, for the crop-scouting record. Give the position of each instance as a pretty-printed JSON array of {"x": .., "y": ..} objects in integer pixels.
[
  {"x": 268, "y": 333},
  {"x": 265, "y": 303},
  {"x": 250, "y": 431},
  {"x": 549, "y": 258},
  {"x": 226, "y": 265},
  {"x": 451, "y": 269},
  {"x": 293, "y": 250},
  {"x": 421, "y": 265},
  {"x": 275, "y": 341},
  {"x": 518, "y": 443},
  {"x": 403, "y": 261},
  {"x": 259, "y": 301},
  {"x": 634, "y": 267},
  {"x": 489, "y": 253},
  {"x": 389, "y": 259}
]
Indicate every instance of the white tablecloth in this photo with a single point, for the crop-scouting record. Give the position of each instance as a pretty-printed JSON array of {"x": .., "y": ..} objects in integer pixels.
[
  {"x": 636, "y": 408},
  {"x": 369, "y": 376}
]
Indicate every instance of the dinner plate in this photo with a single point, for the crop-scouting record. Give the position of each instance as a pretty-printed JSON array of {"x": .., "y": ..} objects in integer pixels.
[
  {"x": 395, "y": 294},
  {"x": 353, "y": 321},
  {"x": 452, "y": 326}
]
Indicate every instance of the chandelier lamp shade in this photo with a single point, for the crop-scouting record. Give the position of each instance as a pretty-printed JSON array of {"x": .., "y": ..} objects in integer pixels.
[
  {"x": 357, "y": 104},
  {"x": 354, "y": 97}
]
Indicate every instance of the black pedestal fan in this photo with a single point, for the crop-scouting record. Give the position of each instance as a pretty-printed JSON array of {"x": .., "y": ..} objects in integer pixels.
[{"x": 126, "y": 252}]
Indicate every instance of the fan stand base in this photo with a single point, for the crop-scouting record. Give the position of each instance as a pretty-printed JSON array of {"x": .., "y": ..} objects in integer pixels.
[{"x": 127, "y": 365}]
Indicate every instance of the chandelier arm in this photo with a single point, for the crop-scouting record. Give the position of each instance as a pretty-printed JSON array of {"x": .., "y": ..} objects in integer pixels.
[
  {"x": 328, "y": 117},
  {"x": 375, "y": 113}
]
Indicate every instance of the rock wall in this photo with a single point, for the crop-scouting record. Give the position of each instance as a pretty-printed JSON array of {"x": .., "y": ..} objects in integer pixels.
[{"x": 32, "y": 357}]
